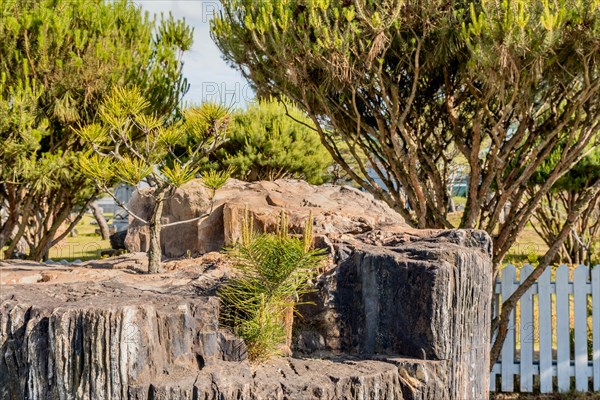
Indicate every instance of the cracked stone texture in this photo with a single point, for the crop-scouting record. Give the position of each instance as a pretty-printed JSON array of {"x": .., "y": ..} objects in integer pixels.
[
  {"x": 398, "y": 315},
  {"x": 300, "y": 379},
  {"x": 427, "y": 297},
  {"x": 72, "y": 332},
  {"x": 91, "y": 333}
]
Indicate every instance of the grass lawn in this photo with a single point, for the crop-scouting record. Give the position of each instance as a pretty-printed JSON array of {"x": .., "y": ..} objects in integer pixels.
[
  {"x": 79, "y": 248},
  {"x": 528, "y": 246},
  {"x": 85, "y": 245}
]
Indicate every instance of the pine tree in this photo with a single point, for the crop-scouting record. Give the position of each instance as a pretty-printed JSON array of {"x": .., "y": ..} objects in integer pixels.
[
  {"x": 58, "y": 59},
  {"x": 131, "y": 144},
  {"x": 272, "y": 140},
  {"x": 275, "y": 270},
  {"x": 410, "y": 84}
]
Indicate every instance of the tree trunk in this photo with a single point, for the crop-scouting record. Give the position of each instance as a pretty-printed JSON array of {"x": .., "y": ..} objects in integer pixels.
[
  {"x": 451, "y": 205},
  {"x": 155, "y": 251},
  {"x": 45, "y": 240},
  {"x": 97, "y": 212},
  {"x": 8, "y": 227},
  {"x": 288, "y": 323},
  {"x": 20, "y": 232}
]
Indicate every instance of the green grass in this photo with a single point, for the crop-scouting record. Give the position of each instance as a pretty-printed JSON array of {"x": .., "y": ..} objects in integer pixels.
[
  {"x": 79, "y": 248},
  {"x": 86, "y": 245},
  {"x": 454, "y": 218},
  {"x": 459, "y": 200},
  {"x": 528, "y": 247}
]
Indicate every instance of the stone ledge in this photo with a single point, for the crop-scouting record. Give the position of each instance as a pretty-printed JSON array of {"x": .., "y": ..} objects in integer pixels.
[{"x": 389, "y": 378}]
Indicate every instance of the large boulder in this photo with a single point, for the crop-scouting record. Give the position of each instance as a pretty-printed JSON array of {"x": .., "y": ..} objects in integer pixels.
[
  {"x": 336, "y": 210},
  {"x": 188, "y": 202}
]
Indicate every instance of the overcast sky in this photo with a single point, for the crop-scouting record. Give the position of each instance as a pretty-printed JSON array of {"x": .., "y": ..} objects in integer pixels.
[{"x": 209, "y": 76}]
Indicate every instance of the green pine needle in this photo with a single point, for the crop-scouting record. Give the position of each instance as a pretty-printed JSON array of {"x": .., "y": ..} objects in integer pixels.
[{"x": 275, "y": 271}]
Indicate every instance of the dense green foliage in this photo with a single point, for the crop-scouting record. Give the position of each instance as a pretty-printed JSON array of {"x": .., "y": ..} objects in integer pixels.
[
  {"x": 275, "y": 271},
  {"x": 58, "y": 59},
  {"x": 120, "y": 154},
  {"x": 580, "y": 177},
  {"x": 414, "y": 84},
  {"x": 265, "y": 143}
]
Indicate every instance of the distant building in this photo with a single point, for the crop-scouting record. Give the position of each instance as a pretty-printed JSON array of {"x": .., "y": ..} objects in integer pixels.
[{"x": 459, "y": 185}]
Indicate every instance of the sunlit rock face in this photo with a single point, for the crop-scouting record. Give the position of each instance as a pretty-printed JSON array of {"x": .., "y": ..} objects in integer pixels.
[
  {"x": 94, "y": 340},
  {"x": 425, "y": 297},
  {"x": 336, "y": 210}
]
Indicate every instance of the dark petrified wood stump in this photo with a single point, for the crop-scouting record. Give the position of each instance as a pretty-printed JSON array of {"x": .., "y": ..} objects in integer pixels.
[{"x": 400, "y": 316}]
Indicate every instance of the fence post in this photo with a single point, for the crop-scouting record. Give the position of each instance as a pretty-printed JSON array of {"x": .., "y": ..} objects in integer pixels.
[
  {"x": 580, "y": 279},
  {"x": 545, "y": 328},
  {"x": 526, "y": 333},
  {"x": 596, "y": 325},
  {"x": 508, "y": 349},
  {"x": 495, "y": 312},
  {"x": 563, "y": 331}
]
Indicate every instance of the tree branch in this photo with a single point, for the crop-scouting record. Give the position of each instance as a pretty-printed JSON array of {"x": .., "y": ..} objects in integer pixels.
[{"x": 508, "y": 305}]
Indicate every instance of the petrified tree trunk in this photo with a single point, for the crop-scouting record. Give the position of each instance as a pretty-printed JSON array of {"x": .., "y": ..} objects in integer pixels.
[
  {"x": 406, "y": 317},
  {"x": 425, "y": 298},
  {"x": 57, "y": 344}
]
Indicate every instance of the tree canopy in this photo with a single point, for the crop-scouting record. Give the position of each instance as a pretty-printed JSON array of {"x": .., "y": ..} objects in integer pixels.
[
  {"x": 265, "y": 143},
  {"x": 413, "y": 83},
  {"x": 58, "y": 59}
]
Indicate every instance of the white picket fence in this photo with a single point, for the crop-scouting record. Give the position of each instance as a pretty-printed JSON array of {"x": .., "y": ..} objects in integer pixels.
[{"x": 545, "y": 345}]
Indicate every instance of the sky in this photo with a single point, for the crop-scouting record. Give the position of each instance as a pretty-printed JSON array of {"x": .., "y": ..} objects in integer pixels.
[{"x": 210, "y": 78}]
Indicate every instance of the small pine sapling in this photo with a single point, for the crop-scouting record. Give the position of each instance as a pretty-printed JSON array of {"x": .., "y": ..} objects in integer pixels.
[{"x": 275, "y": 270}]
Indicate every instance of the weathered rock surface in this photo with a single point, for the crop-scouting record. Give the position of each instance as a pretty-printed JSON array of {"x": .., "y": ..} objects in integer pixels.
[
  {"x": 422, "y": 297},
  {"x": 93, "y": 333},
  {"x": 336, "y": 210},
  {"x": 290, "y": 379},
  {"x": 93, "y": 340},
  {"x": 398, "y": 317},
  {"x": 117, "y": 240}
]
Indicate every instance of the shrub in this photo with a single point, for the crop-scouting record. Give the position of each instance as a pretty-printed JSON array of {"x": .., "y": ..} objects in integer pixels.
[
  {"x": 274, "y": 272},
  {"x": 264, "y": 143}
]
